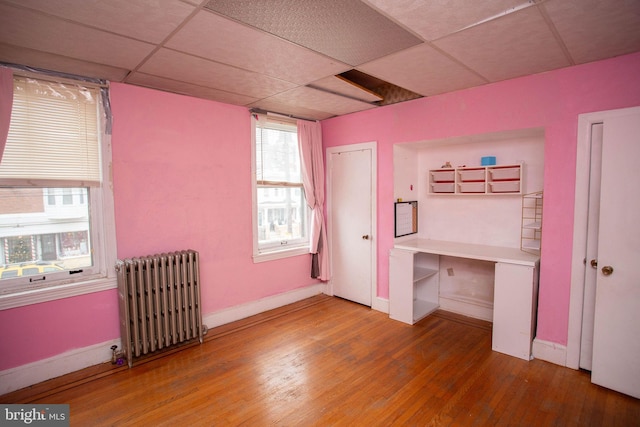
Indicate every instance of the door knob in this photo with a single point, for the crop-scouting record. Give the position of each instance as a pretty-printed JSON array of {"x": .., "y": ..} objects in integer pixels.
[
  {"x": 607, "y": 270},
  {"x": 365, "y": 237},
  {"x": 594, "y": 263}
]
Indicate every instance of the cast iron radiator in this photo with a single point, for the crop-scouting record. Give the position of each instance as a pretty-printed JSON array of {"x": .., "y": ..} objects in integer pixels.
[{"x": 159, "y": 302}]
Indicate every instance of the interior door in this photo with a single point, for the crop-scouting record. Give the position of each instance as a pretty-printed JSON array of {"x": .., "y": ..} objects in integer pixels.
[
  {"x": 591, "y": 270},
  {"x": 616, "y": 335},
  {"x": 351, "y": 239}
]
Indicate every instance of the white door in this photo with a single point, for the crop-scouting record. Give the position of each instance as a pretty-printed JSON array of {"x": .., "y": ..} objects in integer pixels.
[
  {"x": 591, "y": 270},
  {"x": 350, "y": 223},
  {"x": 616, "y": 336}
]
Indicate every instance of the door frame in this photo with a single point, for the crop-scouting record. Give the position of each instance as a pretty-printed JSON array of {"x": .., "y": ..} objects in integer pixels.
[
  {"x": 580, "y": 215},
  {"x": 374, "y": 206}
]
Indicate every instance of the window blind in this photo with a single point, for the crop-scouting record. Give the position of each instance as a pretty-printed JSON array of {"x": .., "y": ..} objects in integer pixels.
[
  {"x": 277, "y": 156},
  {"x": 54, "y": 134}
]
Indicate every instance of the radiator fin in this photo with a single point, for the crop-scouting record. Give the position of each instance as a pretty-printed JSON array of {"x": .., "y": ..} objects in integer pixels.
[{"x": 159, "y": 302}]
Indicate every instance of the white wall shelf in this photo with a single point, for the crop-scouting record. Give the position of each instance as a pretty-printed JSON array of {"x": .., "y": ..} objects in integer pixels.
[{"x": 486, "y": 180}]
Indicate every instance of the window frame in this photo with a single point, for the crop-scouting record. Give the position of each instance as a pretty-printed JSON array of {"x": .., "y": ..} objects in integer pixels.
[
  {"x": 272, "y": 252},
  {"x": 101, "y": 276}
]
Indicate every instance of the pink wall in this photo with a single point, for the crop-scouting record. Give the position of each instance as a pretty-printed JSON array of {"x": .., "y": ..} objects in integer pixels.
[
  {"x": 551, "y": 100},
  {"x": 182, "y": 180}
]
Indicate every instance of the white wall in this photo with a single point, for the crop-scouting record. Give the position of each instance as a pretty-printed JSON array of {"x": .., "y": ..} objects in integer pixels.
[{"x": 482, "y": 219}]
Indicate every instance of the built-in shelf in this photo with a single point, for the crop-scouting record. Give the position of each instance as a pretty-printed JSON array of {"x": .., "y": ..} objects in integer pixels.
[
  {"x": 497, "y": 179},
  {"x": 420, "y": 273}
]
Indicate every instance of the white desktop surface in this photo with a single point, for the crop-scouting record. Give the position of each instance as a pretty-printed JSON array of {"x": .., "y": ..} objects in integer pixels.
[{"x": 470, "y": 250}]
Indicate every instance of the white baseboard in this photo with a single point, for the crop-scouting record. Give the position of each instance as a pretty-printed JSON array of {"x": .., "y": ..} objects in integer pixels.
[
  {"x": 32, "y": 373},
  {"x": 477, "y": 311},
  {"x": 238, "y": 312},
  {"x": 550, "y": 352},
  {"x": 380, "y": 304}
]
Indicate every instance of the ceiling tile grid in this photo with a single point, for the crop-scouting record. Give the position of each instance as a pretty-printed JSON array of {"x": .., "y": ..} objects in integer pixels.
[
  {"x": 448, "y": 16},
  {"x": 139, "y": 19},
  {"x": 176, "y": 86},
  {"x": 511, "y": 46},
  {"x": 180, "y": 66},
  {"x": 596, "y": 29},
  {"x": 294, "y": 56},
  {"x": 68, "y": 39},
  {"x": 424, "y": 70},
  {"x": 213, "y": 37},
  {"x": 348, "y": 30}
]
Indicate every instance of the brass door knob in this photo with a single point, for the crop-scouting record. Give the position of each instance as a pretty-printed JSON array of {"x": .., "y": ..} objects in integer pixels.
[
  {"x": 365, "y": 237},
  {"x": 594, "y": 263},
  {"x": 607, "y": 270}
]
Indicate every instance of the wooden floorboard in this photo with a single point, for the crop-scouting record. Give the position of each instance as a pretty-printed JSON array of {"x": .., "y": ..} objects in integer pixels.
[{"x": 327, "y": 361}]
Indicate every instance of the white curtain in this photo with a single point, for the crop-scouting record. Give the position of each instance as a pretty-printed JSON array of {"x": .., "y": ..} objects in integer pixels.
[
  {"x": 312, "y": 164},
  {"x": 6, "y": 102}
]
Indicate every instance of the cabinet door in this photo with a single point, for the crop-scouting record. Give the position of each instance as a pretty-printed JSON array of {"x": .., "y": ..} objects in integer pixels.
[
  {"x": 514, "y": 309},
  {"x": 401, "y": 285}
]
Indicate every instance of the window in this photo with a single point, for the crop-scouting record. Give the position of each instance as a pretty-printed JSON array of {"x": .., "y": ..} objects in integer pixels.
[
  {"x": 280, "y": 210},
  {"x": 55, "y": 215}
]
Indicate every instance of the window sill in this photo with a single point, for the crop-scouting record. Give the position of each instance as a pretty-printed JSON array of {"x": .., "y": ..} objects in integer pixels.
[
  {"x": 35, "y": 296},
  {"x": 287, "y": 253}
]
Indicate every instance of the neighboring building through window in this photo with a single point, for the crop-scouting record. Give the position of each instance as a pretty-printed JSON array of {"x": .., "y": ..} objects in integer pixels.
[{"x": 280, "y": 209}]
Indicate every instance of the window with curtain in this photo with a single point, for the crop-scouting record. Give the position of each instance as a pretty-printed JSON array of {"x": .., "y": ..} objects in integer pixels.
[
  {"x": 280, "y": 210},
  {"x": 52, "y": 215}
]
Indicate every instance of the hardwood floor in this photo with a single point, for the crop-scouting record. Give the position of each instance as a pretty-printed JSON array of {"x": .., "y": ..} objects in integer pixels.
[{"x": 327, "y": 361}]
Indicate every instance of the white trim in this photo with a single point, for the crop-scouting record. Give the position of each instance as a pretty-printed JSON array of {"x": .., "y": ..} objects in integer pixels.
[
  {"x": 287, "y": 253},
  {"x": 549, "y": 351},
  {"x": 380, "y": 304},
  {"x": 581, "y": 207},
  {"x": 238, "y": 312},
  {"x": 373, "y": 146},
  {"x": 32, "y": 373},
  {"x": 35, "y": 296}
]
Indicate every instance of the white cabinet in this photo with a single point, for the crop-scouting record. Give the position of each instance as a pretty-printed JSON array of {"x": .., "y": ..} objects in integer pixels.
[
  {"x": 413, "y": 288},
  {"x": 514, "y": 309},
  {"x": 501, "y": 179}
]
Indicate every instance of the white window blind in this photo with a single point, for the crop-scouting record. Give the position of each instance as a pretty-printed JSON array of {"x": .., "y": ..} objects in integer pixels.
[
  {"x": 277, "y": 157},
  {"x": 53, "y": 136}
]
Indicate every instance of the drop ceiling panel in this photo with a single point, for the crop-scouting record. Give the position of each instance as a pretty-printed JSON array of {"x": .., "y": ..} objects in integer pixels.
[
  {"x": 424, "y": 70},
  {"x": 64, "y": 38},
  {"x": 594, "y": 30},
  {"x": 511, "y": 46},
  {"x": 48, "y": 61},
  {"x": 314, "y": 99},
  {"x": 448, "y": 16},
  {"x": 144, "y": 20},
  {"x": 161, "y": 83},
  {"x": 272, "y": 105},
  {"x": 347, "y": 30},
  {"x": 201, "y": 72},
  {"x": 338, "y": 85},
  {"x": 247, "y": 48}
]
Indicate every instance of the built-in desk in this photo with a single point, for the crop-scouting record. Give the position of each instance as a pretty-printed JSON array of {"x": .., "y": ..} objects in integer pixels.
[{"x": 414, "y": 288}]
